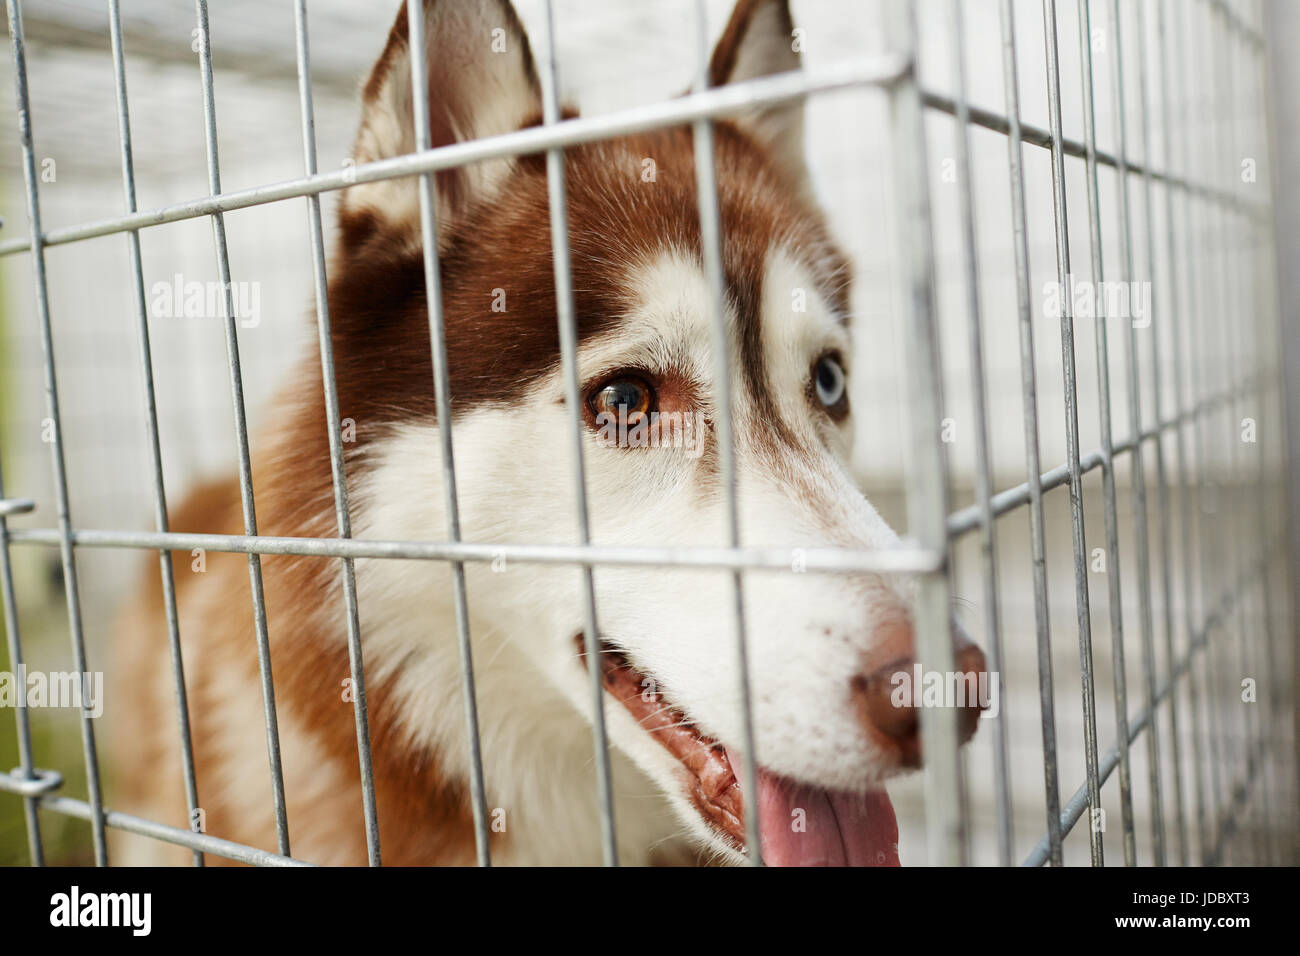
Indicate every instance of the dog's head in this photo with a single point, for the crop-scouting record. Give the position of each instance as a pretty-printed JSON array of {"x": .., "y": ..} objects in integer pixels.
[{"x": 822, "y": 648}]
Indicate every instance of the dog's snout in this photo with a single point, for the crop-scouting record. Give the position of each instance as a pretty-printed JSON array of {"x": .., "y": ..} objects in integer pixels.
[{"x": 889, "y": 698}]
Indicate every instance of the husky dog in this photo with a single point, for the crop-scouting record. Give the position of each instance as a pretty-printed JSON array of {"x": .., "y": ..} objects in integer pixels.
[{"x": 822, "y": 648}]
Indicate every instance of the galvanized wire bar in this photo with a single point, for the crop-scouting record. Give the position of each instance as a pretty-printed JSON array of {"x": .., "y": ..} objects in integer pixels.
[
  {"x": 711, "y": 240},
  {"x": 556, "y": 195},
  {"x": 1185, "y": 488},
  {"x": 869, "y": 71},
  {"x": 1231, "y": 293},
  {"x": 966, "y": 520},
  {"x": 1162, "y": 473},
  {"x": 1061, "y": 227},
  {"x": 1033, "y": 459},
  {"x": 1236, "y": 292},
  {"x": 1228, "y": 597},
  {"x": 442, "y": 398},
  {"x": 241, "y": 438},
  {"x": 1109, "y": 509},
  {"x": 1237, "y": 25},
  {"x": 1037, "y": 136},
  {"x": 1263, "y": 647},
  {"x": 1239, "y": 794},
  {"x": 925, "y": 462},
  {"x": 197, "y": 842},
  {"x": 1140, "y": 518},
  {"x": 898, "y": 560},
  {"x": 70, "y": 587},
  {"x": 14, "y": 644},
  {"x": 1266, "y": 669},
  {"x": 151, "y": 425},
  {"x": 1221, "y": 428},
  {"x": 1203, "y": 499},
  {"x": 979, "y": 403},
  {"x": 338, "y": 472},
  {"x": 1222, "y": 160},
  {"x": 879, "y": 71},
  {"x": 1078, "y": 803}
]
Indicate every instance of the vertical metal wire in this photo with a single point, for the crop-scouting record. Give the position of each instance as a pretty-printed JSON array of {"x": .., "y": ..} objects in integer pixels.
[
  {"x": 1261, "y": 666},
  {"x": 151, "y": 422},
  {"x": 241, "y": 438},
  {"x": 338, "y": 471},
  {"x": 1262, "y": 384},
  {"x": 925, "y": 462},
  {"x": 1200, "y": 393},
  {"x": 1185, "y": 411},
  {"x": 706, "y": 185},
  {"x": 1229, "y": 358},
  {"x": 556, "y": 195},
  {"x": 15, "y": 647},
  {"x": 1236, "y": 293},
  {"x": 71, "y": 590},
  {"x": 1187, "y": 419},
  {"x": 442, "y": 401},
  {"x": 1113, "y": 568},
  {"x": 979, "y": 403},
  {"x": 1221, "y": 417},
  {"x": 1162, "y": 475},
  {"x": 1061, "y": 225},
  {"x": 1222, "y": 170},
  {"x": 1029, "y": 402},
  {"x": 1137, "y": 454}
]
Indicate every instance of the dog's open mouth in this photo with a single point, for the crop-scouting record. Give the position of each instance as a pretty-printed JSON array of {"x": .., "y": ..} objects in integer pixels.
[{"x": 799, "y": 824}]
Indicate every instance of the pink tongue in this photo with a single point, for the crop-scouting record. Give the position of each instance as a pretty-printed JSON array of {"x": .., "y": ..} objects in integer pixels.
[{"x": 803, "y": 825}]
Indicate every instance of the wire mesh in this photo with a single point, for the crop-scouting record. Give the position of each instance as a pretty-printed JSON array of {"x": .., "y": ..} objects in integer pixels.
[{"x": 1175, "y": 216}]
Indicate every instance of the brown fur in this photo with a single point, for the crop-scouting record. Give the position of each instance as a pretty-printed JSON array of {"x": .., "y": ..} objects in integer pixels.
[{"x": 423, "y": 817}]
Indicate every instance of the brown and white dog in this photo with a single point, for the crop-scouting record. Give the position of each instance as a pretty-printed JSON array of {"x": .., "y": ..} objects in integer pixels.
[{"x": 821, "y": 647}]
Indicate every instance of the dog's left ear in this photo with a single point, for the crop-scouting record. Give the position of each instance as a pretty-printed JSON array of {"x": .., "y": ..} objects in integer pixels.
[
  {"x": 481, "y": 82},
  {"x": 759, "y": 40}
]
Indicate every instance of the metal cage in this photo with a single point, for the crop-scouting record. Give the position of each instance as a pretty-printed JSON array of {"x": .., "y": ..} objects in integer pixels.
[{"x": 1205, "y": 555}]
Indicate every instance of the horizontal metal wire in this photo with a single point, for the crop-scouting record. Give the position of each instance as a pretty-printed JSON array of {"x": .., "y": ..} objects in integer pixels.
[
  {"x": 16, "y": 506},
  {"x": 1230, "y": 819},
  {"x": 902, "y": 560},
  {"x": 1037, "y": 136},
  {"x": 79, "y": 809},
  {"x": 873, "y": 71},
  {"x": 968, "y": 519},
  {"x": 1237, "y": 24}
]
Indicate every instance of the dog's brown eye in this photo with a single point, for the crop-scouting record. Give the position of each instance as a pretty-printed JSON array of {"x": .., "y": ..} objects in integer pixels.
[
  {"x": 829, "y": 382},
  {"x": 623, "y": 398}
]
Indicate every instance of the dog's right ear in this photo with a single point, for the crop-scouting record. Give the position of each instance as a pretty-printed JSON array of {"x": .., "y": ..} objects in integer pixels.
[
  {"x": 481, "y": 82},
  {"x": 759, "y": 41}
]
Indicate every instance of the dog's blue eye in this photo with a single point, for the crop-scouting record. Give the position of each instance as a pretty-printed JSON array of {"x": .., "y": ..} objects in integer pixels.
[{"x": 828, "y": 378}]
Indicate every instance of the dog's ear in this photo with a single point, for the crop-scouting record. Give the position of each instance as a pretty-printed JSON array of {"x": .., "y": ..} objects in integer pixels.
[
  {"x": 759, "y": 40},
  {"x": 481, "y": 82}
]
